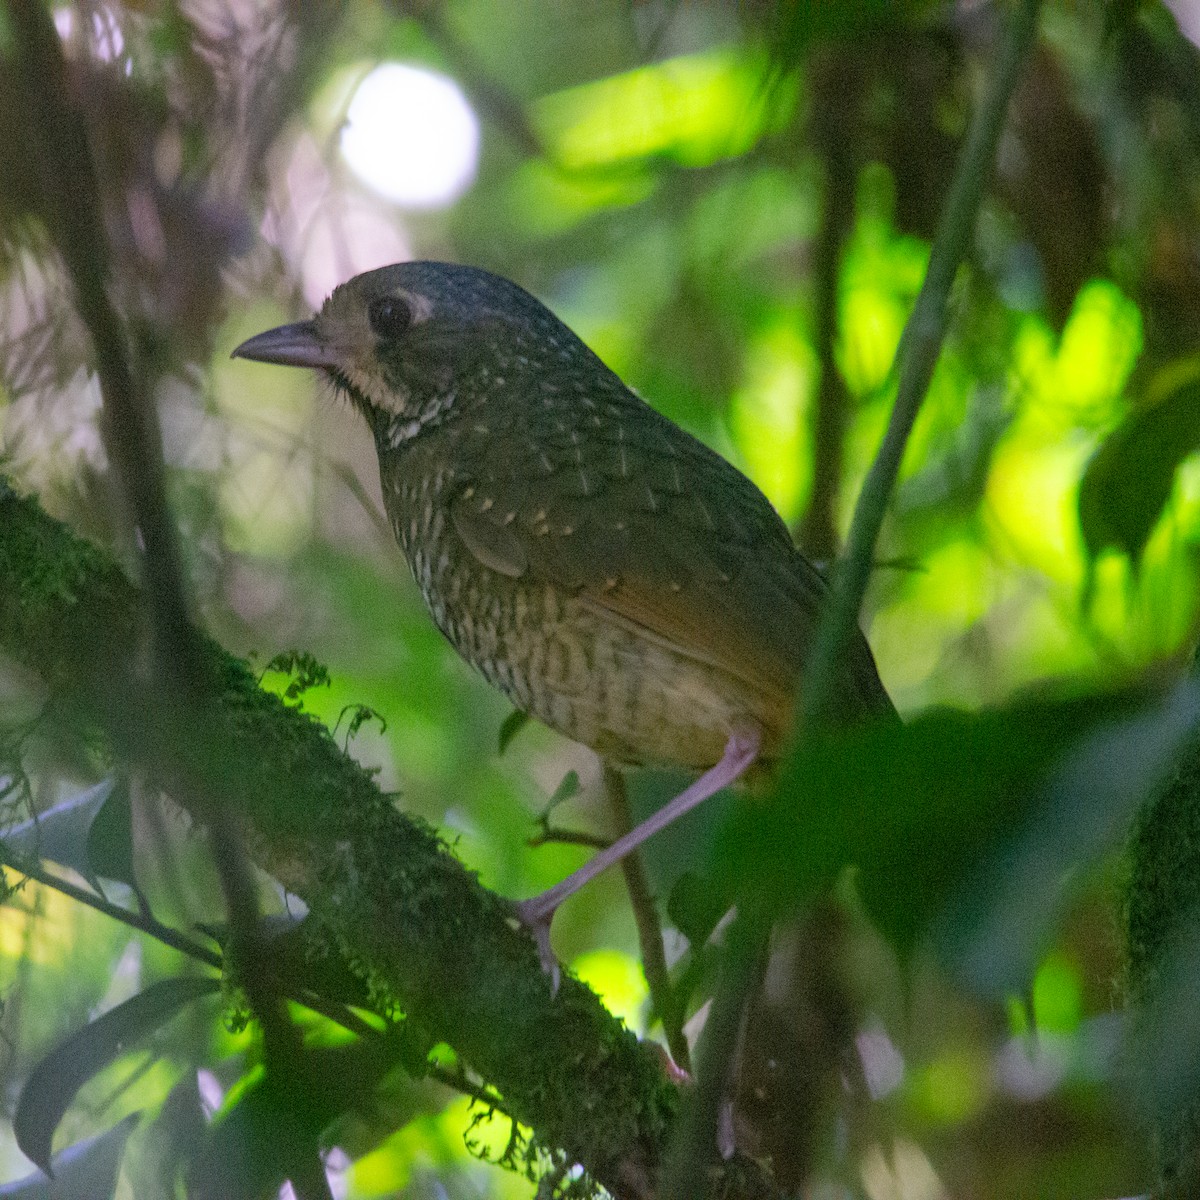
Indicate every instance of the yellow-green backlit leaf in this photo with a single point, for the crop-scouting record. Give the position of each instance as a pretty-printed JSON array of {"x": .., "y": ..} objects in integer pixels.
[
  {"x": 618, "y": 980},
  {"x": 696, "y": 109},
  {"x": 1057, "y": 996},
  {"x": 768, "y": 416}
]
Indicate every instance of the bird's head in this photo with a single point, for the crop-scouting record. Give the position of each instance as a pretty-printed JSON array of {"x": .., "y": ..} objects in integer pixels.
[{"x": 414, "y": 343}]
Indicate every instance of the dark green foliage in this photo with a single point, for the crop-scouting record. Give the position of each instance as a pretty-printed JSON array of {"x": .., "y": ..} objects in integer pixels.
[
  {"x": 943, "y": 817},
  {"x": 1129, "y": 479},
  {"x": 304, "y": 671}
]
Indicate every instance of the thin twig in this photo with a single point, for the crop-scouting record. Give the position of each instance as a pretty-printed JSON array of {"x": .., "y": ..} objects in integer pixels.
[
  {"x": 916, "y": 358},
  {"x": 458, "y": 1080},
  {"x": 645, "y": 914},
  {"x": 144, "y": 924},
  {"x": 553, "y": 835}
]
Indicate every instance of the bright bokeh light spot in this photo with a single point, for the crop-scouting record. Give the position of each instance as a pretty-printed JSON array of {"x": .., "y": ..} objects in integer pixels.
[
  {"x": 1057, "y": 996},
  {"x": 411, "y": 136},
  {"x": 618, "y": 980},
  {"x": 1100, "y": 344},
  {"x": 952, "y": 1088}
]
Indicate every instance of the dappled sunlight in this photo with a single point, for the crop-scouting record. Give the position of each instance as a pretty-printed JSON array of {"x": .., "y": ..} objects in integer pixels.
[
  {"x": 768, "y": 415},
  {"x": 433, "y": 1142},
  {"x": 1099, "y": 346},
  {"x": 618, "y": 980},
  {"x": 717, "y": 203},
  {"x": 1079, "y": 382},
  {"x": 38, "y": 923},
  {"x": 696, "y": 110},
  {"x": 1031, "y": 498},
  {"x": 933, "y": 610}
]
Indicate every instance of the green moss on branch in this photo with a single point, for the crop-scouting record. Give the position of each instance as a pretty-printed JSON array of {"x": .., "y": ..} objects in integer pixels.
[{"x": 412, "y": 922}]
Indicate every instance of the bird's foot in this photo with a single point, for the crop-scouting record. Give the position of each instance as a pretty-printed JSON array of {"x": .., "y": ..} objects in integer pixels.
[
  {"x": 537, "y": 912},
  {"x": 535, "y": 915}
]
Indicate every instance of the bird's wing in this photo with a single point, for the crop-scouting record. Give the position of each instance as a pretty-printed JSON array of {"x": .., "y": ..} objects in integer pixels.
[{"x": 652, "y": 530}]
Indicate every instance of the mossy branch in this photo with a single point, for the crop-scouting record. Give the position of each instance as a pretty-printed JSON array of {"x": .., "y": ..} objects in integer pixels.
[{"x": 388, "y": 897}]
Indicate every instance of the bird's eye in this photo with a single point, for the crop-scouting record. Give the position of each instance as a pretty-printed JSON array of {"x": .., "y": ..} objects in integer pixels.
[{"x": 389, "y": 316}]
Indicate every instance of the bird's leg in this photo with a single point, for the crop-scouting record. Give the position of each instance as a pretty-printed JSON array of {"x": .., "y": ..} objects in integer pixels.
[{"x": 537, "y": 912}]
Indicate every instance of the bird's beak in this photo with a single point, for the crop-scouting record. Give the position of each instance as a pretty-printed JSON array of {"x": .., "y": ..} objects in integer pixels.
[{"x": 296, "y": 345}]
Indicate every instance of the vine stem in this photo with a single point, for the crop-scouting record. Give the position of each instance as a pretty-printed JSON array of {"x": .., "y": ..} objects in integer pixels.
[
  {"x": 687, "y": 1171},
  {"x": 916, "y": 357},
  {"x": 649, "y": 928}
]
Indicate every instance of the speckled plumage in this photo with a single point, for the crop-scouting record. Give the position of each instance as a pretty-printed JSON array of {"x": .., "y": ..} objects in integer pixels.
[{"x": 604, "y": 569}]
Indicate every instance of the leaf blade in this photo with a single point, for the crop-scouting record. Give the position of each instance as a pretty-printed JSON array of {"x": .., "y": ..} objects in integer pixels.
[{"x": 52, "y": 1086}]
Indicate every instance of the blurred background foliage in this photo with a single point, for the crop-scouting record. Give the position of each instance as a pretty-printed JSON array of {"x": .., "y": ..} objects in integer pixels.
[{"x": 733, "y": 205}]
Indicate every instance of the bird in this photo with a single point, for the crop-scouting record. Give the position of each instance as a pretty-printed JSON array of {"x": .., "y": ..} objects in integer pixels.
[{"x": 609, "y": 573}]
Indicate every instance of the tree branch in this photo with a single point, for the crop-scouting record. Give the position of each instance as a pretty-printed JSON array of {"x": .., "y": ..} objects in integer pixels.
[
  {"x": 386, "y": 896},
  {"x": 72, "y": 204},
  {"x": 818, "y": 536}
]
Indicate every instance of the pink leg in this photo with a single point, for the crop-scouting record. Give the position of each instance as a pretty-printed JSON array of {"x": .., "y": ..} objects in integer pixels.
[{"x": 537, "y": 912}]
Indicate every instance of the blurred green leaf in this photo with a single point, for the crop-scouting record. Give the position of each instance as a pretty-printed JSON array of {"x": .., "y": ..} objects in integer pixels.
[
  {"x": 110, "y": 839},
  {"x": 250, "y": 1145},
  {"x": 513, "y": 724},
  {"x": 960, "y": 823},
  {"x": 695, "y": 906},
  {"x": 1003, "y": 915},
  {"x": 1164, "y": 1046},
  {"x": 696, "y": 109},
  {"x": 62, "y": 834},
  {"x": 91, "y": 832},
  {"x": 1128, "y": 481},
  {"x": 49, "y": 1091}
]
